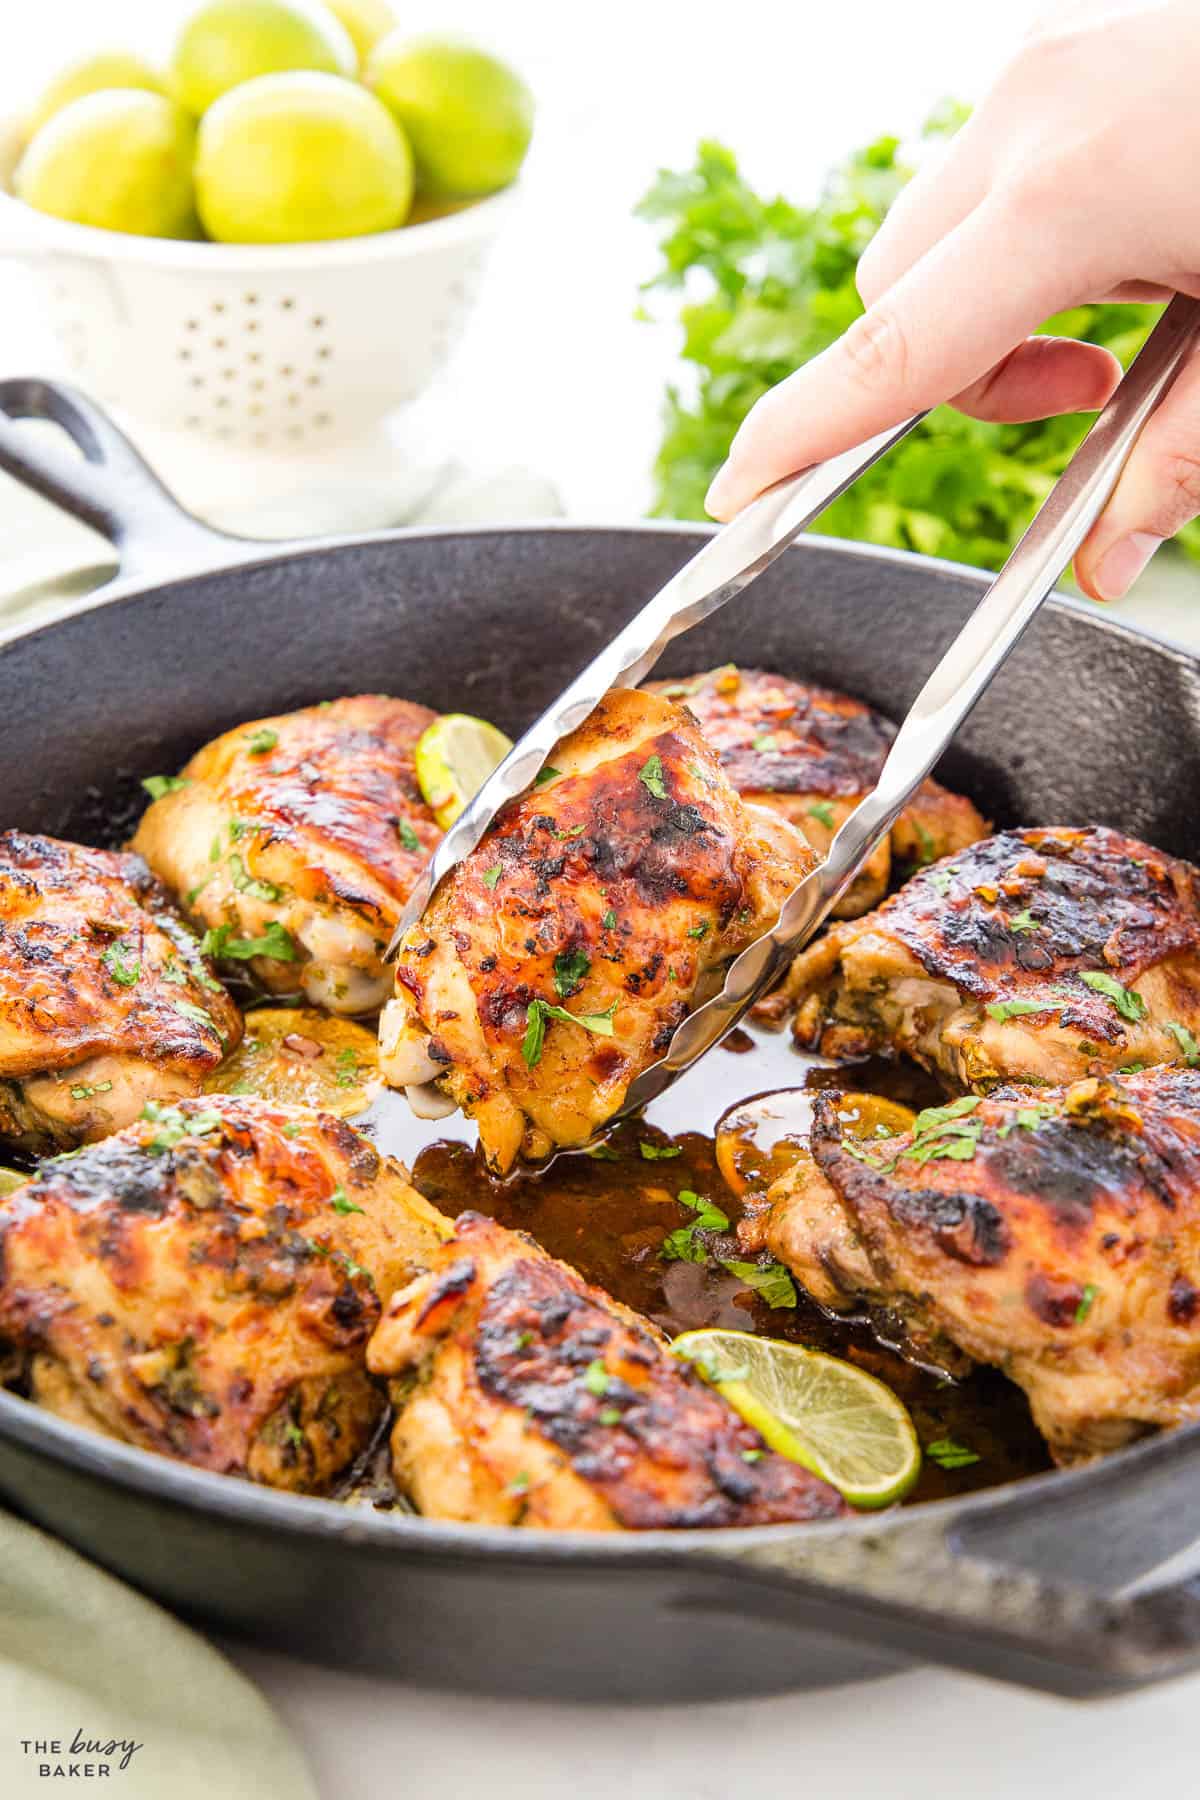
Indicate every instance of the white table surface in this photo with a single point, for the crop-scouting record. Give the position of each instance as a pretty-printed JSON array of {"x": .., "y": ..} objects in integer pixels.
[{"x": 555, "y": 376}]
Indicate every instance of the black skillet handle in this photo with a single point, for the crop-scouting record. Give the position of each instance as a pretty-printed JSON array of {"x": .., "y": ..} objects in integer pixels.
[
  {"x": 1020, "y": 1588},
  {"x": 110, "y": 487}
]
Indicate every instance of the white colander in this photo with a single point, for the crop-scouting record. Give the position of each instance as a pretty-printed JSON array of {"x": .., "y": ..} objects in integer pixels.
[{"x": 261, "y": 347}]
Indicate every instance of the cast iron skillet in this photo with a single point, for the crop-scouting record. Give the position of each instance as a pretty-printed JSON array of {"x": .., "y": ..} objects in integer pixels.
[{"x": 1090, "y": 721}]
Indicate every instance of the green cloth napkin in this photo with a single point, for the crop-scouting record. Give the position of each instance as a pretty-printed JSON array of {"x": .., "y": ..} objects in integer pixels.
[{"x": 84, "y": 1657}]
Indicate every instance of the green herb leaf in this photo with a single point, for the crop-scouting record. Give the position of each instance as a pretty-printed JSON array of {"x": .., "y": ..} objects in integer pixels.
[
  {"x": 492, "y": 875},
  {"x": 659, "y": 1152},
  {"x": 341, "y": 1202},
  {"x": 651, "y": 777},
  {"x": 262, "y": 740},
  {"x": 220, "y": 943},
  {"x": 770, "y": 1281},
  {"x": 198, "y": 1016},
  {"x": 1086, "y": 1301},
  {"x": 595, "y": 1378},
  {"x": 610, "y": 1415},
  {"x": 158, "y": 785},
  {"x": 407, "y": 835},
  {"x": 122, "y": 963},
  {"x": 768, "y": 741},
  {"x": 700, "y": 930},
  {"x": 950, "y": 1455},
  {"x": 822, "y": 811},
  {"x": 546, "y": 774},
  {"x": 539, "y": 1011},
  {"x": 1003, "y": 1010},
  {"x": 609, "y": 919},
  {"x": 1023, "y": 921},
  {"x": 1129, "y": 1004},
  {"x": 249, "y": 884},
  {"x": 570, "y": 971},
  {"x": 1186, "y": 1042},
  {"x": 925, "y": 843},
  {"x": 172, "y": 1125}
]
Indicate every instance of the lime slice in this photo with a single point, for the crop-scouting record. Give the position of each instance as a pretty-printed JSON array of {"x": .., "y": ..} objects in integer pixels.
[
  {"x": 842, "y": 1424},
  {"x": 298, "y": 1057},
  {"x": 454, "y": 757},
  {"x": 10, "y": 1179}
]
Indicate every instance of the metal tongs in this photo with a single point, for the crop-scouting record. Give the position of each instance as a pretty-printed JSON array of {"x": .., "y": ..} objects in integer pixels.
[{"x": 732, "y": 559}]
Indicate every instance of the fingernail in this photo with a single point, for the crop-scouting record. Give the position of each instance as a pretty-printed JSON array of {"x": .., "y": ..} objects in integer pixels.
[
  {"x": 721, "y": 490},
  {"x": 1123, "y": 563}
]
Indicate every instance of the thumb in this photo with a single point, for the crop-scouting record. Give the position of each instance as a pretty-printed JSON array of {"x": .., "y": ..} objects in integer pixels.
[
  {"x": 1158, "y": 492},
  {"x": 957, "y": 312}
]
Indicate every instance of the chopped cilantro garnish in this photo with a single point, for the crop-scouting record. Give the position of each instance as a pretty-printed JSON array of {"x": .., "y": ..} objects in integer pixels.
[
  {"x": 249, "y": 884},
  {"x": 659, "y": 1152},
  {"x": 1086, "y": 1300},
  {"x": 122, "y": 963},
  {"x": 539, "y": 1011},
  {"x": 173, "y": 1124},
  {"x": 941, "y": 879},
  {"x": 823, "y": 812},
  {"x": 1023, "y": 921},
  {"x": 609, "y": 919},
  {"x": 770, "y": 1281},
  {"x": 275, "y": 943},
  {"x": 1129, "y": 1004},
  {"x": 546, "y": 774},
  {"x": 570, "y": 971},
  {"x": 407, "y": 835},
  {"x": 340, "y": 1201},
  {"x": 158, "y": 785},
  {"x": 492, "y": 875},
  {"x": 925, "y": 843},
  {"x": 198, "y": 1016},
  {"x": 1003, "y": 1010},
  {"x": 610, "y": 1415},
  {"x": 683, "y": 1245},
  {"x": 950, "y": 1455},
  {"x": 700, "y": 930},
  {"x": 262, "y": 740},
  {"x": 651, "y": 777},
  {"x": 595, "y": 1378},
  {"x": 1186, "y": 1042},
  {"x": 767, "y": 741}
]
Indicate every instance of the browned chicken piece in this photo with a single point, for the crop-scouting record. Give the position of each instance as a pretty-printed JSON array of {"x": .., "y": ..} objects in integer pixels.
[
  {"x": 526, "y": 1397},
  {"x": 204, "y": 1283},
  {"x": 812, "y": 754},
  {"x": 294, "y": 842},
  {"x": 610, "y": 892},
  {"x": 1054, "y": 1232},
  {"x": 1032, "y": 956},
  {"x": 105, "y": 999}
]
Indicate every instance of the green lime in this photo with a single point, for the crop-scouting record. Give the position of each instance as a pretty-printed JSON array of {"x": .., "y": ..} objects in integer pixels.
[
  {"x": 291, "y": 159},
  {"x": 11, "y": 1179},
  {"x": 366, "y": 21},
  {"x": 121, "y": 160},
  {"x": 298, "y": 1057},
  {"x": 226, "y": 42},
  {"x": 91, "y": 75},
  {"x": 454, "y": 757},
  {"x": 838, "y": 1421},
  {"x": 468, "y": 116}
]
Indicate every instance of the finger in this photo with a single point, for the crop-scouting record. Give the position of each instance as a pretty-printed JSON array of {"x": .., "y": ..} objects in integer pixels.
[
  {"x": 947, "y": 188},
  {"x": 951, "y": 318},
  {"x": 1040, "y": 378},
  {"x": 1158, "y": 492}
]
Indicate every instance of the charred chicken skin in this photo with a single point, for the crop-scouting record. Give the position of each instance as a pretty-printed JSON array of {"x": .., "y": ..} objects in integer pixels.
[
  {"x": 204, "y": 1283},
  {"x": 1032, "y": 956},
  {"x": 556, "y": 960},
  {"x": 105, "y": 999},
  {"x": 1054, "y": 1232},
  {"x": 294, "y": 843},
  {"x": 526, "y": 1397},
  {"x": 812, "y": 755}
]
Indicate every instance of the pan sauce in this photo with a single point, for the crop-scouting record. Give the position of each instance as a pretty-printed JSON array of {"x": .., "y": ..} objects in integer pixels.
[{"x": 608, "y": 1218}]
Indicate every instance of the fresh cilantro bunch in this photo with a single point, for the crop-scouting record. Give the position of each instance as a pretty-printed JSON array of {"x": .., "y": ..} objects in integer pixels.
[{"x": 765, "y": 284}]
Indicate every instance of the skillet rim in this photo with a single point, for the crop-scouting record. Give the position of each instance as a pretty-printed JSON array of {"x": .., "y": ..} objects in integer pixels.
[{"x": 311, "y": 1516}]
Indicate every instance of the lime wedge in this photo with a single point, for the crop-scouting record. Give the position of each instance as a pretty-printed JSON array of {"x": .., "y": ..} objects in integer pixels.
[
  {"x": 841, "y": 1423},
  {"x": 10, "y": 1179},
  {"x": 454, "y": 757}
]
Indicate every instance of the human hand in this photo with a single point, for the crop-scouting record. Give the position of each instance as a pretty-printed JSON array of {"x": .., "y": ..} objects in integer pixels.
[{"x": 1072, "y": 181}]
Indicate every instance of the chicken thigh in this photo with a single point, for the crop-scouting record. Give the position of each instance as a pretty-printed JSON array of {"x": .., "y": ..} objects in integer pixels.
[
  {"x": 1036, "y": 955},
  {"x": 812, "y": 754},
  {"x": 526, "y": 1397},
  {"x": 295, "y": 842},
  {"x": 204, "y": 1283},
  {"x": 1054, "y": 1232},
  {"x": 555, "y": 961},
  {"x": 105, "y": 999}
]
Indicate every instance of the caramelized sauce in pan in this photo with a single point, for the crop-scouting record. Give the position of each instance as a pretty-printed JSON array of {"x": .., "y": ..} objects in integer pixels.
[{"x": 608, "y": 1216}]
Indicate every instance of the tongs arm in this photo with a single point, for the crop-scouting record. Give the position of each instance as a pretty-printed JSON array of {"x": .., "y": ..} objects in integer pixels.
[{"x": 962, "y": 675}]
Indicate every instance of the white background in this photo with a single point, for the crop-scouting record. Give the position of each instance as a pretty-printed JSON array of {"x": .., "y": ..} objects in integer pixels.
[{"x": 556, "y": 375}]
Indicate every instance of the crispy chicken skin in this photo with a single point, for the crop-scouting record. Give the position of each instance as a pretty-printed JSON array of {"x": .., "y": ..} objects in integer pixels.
[
  {"x": 812, "y": 754},
  {"x": 1054, "y": 1232},
  {"x": 105, "y": 998},
  {"x": 204, "y": 1283},
  {"x": 1032, "y": 956},
  {"x": 311, "y": 823},
  {"x": 611, "y": 890},
  {"x": 526, "y": 1397}
]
